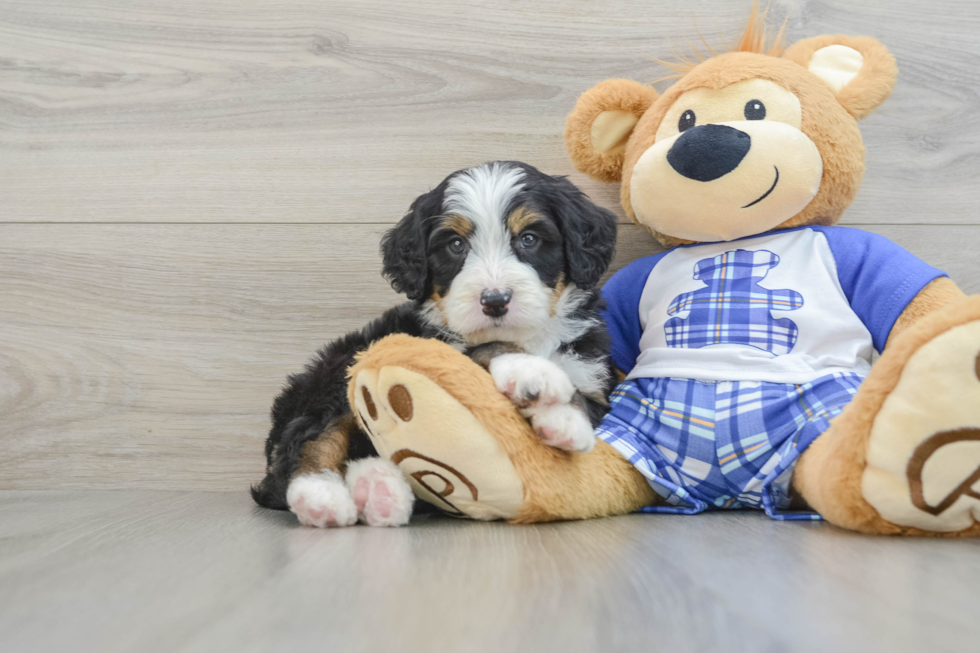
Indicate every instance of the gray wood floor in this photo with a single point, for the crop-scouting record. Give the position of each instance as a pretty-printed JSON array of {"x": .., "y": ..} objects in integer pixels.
[{"x": 198, "y": 571}]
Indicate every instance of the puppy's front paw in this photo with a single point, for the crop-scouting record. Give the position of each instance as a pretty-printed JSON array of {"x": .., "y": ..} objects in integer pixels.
[
  {"x": 381, "y": 494},
  {"x": 321, "y": 500},
  {"x": 527, "y": 380},
  {"x": 563, "y": 426}
]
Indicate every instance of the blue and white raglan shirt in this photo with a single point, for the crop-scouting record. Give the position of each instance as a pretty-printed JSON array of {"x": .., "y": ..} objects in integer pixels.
[
  {"x": 739, "y": 354},
  {"x": 784, "y": 307}
]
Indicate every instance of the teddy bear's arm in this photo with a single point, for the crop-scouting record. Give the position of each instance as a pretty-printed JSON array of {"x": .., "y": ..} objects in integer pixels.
[{"x": 934, "y": 296}]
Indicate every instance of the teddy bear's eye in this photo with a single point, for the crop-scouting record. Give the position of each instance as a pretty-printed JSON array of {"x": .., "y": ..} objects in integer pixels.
[
  {"x": 755, "y": 110},
  {"x": 687, "y": 120}
]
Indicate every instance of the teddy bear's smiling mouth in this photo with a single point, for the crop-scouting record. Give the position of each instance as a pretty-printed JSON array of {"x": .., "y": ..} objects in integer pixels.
[{"x": 766, "y": 194}]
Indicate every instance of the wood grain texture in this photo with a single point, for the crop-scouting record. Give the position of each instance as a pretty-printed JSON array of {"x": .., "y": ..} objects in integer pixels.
[
  {"x": 186, "y": 572},
  {"x": 147, "y": 356},
  {"x": 192, "y": 191},
  {"x": 328, "y": 111}
]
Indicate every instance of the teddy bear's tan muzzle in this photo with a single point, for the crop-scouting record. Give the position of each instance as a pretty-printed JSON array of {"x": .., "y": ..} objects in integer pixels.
[{"x": 726, "y": 180}]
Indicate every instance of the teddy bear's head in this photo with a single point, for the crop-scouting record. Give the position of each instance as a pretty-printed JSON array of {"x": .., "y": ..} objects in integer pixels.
[{"x": 748, "y": 141}]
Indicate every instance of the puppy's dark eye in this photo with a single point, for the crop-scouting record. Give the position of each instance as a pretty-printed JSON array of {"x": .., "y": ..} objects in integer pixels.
[
  {"x": 456, "y": 245},
  {"x": 754, "y": 110},
  {"x": 529, "y": 240},
  {"x": 688, "y": 120}
]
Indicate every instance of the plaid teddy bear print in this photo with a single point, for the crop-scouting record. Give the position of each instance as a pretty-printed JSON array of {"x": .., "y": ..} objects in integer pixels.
[{"x": 733, "y": 308}]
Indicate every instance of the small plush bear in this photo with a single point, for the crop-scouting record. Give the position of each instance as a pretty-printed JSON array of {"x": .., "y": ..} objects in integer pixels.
[{"x": 745, "y": 347}]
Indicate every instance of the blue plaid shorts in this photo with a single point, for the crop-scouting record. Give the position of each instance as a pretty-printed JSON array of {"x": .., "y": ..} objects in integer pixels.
[{"x": 726, "y": 444}]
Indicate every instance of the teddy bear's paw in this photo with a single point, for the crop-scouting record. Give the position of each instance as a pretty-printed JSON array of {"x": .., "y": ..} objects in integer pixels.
[
  {"x": 381, "y": 494},
  {"x": 528, "y": 380},
  {"x": 562, "y": 426},
  {"x": 448, "y": 456},
  {"x": 924, "y": 447},
  {"x": 321, "y": 500}
]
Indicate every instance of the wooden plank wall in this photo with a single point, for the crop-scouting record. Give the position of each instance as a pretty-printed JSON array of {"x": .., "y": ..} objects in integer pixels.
[{"x": 192, "y": 191}]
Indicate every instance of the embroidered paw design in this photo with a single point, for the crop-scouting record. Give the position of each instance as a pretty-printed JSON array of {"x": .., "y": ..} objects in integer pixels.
[
  {"x": 733, "y": 308},
  {"x": 923, "y": 455}
]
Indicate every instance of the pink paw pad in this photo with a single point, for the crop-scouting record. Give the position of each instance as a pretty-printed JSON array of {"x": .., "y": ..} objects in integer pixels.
[
  {"x": 381, "y": 495},
  {"x": 375, "y": 491},
  {"x": 321, "y": 500}
]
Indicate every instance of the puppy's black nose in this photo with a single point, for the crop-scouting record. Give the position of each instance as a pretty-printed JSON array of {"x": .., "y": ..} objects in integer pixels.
[
  {"x": 708, "y": 152},
  {"x": 494, "y": 302}
]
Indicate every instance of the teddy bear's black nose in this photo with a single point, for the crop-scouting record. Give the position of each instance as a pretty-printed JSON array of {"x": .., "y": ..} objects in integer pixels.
[{"x": 708, "y": 152}]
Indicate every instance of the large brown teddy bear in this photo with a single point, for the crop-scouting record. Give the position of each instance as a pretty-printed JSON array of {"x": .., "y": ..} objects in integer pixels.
[{"x": 747, "y": 364}]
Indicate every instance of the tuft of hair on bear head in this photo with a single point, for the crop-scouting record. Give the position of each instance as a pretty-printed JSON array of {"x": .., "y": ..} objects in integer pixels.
[{"x": 757, "y": 38}]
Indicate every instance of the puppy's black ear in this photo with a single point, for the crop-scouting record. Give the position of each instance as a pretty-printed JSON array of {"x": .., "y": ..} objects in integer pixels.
[
  {"x": 403, "y": 248},
  {"x": 589, "y": 232}
]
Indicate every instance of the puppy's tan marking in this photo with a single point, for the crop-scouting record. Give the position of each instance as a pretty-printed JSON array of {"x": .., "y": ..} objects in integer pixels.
[
  {"x": 461, "y": 225},
  {"x": 520, "y": 219},
  {"x": 556, "y": 294},
  {"x": 438, "y": 297},
  {"x": 329, "y": 449}
]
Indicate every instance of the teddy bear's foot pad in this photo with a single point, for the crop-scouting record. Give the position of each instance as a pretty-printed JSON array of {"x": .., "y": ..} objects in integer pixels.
[
  {"x": 321, "y": 500},
  {"x": 448, "y": 457},
  {"x": 923, "y": 453},
  {"x": 381, "y": 494}
]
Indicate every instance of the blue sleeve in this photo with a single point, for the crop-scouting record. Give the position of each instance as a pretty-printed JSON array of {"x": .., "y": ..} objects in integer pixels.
[
  {"x": 622, "y": 310},
  {"x": 879, "y": 278}
]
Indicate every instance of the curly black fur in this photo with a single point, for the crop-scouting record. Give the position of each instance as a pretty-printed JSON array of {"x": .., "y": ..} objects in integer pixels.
[{"x": 316, "y": 398}]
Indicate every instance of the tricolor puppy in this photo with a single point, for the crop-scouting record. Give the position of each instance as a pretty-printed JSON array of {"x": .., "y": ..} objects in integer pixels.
[{"x": 501, "y": 261}]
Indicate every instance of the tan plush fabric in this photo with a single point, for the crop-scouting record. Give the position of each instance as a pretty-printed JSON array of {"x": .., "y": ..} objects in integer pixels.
[
  {"x": 829, "y": 120},
  {"x": 619, "y": 95},
  {"x": 783, "y": 170},
  {"x": 836, "y": 80},
  {"x": 924, "y": 446},
  {"x": 871, "y": 86},
  {"x": 824, "y": 121},
  {"x": 611, "y": 130},
  {"x": 830, "y": 472},
  {"x": 475, "y": 423},
  {"x": 938, "y": 294},
  {"x": 448, "y": 457}
]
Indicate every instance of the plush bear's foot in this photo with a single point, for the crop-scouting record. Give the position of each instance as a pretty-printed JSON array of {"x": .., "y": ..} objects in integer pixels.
[
  {"x": 447, "y": 455},
  {"x": 381, "y": 494},
  {"x": 321, "y": 500},
  {"x": 924, "y": 447},
  {"x": 464, "y": 447},
  {"x": 904, "y": 456}
]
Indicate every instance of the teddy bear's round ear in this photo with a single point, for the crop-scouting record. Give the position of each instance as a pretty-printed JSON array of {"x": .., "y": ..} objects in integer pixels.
[
  {"x": 600, "y": 124},
  {"x": 859, "y": 69}
]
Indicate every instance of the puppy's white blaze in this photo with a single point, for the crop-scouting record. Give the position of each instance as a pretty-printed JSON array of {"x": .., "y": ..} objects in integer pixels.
[{"x": 483, "y": 195}]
